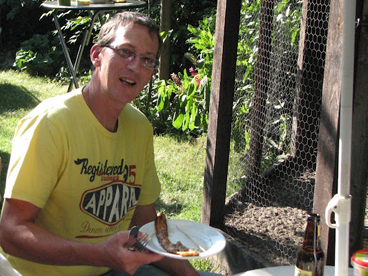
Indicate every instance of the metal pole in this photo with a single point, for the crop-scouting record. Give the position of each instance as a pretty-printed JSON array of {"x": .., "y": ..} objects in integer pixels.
[
  {"x": 341, "y": 202},
  {"x": 346, "y": 114},
  {"x": 65, "y": 50}
]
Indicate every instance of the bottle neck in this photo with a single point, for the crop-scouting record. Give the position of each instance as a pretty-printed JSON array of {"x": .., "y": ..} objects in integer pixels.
[{"x": 313, "y": 233}]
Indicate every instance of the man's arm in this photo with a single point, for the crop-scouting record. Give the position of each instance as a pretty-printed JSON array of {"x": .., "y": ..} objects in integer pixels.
[
  {"x": 147, "y": 213},
  {"x": 21, "y": 237}
]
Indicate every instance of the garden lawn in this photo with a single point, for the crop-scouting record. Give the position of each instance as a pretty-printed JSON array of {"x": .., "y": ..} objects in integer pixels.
[{"x": 180, "y": 165}]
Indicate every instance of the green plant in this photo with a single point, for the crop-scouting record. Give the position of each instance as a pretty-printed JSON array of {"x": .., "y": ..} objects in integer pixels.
[
  {"x": 20, "y": 20},
  {"x": 184, "y": 13},
  {"x": 39, "y": 56},
  {"x": 17, "y": 5},
  {"x": 186, "y": 96}
]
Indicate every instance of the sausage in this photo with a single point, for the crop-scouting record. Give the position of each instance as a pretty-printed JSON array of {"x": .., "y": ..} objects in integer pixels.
[{"x": 162, "y": 235}]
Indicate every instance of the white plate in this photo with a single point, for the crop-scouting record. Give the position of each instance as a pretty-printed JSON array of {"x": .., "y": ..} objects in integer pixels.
[{"x": 208, "y": 237}]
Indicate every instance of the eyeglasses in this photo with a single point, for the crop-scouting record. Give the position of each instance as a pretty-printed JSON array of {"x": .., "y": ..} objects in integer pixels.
[{"x": 131, "y": 55}]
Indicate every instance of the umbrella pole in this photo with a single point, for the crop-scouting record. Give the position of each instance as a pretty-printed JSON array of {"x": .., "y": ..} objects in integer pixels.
[{"x": 340, "y": 204}]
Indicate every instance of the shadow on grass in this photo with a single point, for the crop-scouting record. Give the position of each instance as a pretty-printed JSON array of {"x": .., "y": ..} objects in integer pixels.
[
  {"x": 170, "y": 209},
  {"x": 14, "y": 97}
]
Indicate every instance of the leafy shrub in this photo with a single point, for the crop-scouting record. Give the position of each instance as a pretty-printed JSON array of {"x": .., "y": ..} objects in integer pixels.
[
  {"x": 40, "y": 55},
  {"x": 185, "y": 98},
  {"x": 20, "y": 20}
]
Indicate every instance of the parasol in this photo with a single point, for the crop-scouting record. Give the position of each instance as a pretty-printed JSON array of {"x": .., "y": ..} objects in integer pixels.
[{"x": 340, "y": 204}]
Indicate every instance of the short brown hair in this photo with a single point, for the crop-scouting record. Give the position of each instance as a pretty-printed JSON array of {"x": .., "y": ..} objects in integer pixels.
[{"x": 108, "y": 30}]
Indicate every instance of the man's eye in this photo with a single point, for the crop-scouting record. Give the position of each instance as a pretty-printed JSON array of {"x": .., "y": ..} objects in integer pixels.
[
  {"x": 126, "y": 53},
  {"x": 148, "y": 60}
]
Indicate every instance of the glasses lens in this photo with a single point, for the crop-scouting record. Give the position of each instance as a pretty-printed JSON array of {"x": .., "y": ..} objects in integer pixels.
[
  {"x": 127, "y": 54},
  {"x": 131, "y": 55},
  {"x": 149, "y": 62}
]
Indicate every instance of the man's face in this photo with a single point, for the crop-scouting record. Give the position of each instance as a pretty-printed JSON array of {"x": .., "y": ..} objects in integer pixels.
[{"x": 123, "y": 79}]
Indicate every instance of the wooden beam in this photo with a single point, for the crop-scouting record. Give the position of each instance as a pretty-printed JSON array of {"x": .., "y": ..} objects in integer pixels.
[
  {"x": 165, "y": 26},
  {"x": 312, "y": 49},
  {"x": 327, "y": 158},
  {"x": 262, "y": 75},
  {"x": 220, "y": 117}
]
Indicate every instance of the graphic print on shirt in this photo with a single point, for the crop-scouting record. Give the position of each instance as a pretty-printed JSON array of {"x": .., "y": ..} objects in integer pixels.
[{"x": 110, "y": 202}]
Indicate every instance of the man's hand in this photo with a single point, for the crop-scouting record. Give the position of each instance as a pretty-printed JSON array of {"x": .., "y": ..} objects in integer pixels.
[
  {"x": 21, "y": 237},
  {"x": 119, "y": 257}
]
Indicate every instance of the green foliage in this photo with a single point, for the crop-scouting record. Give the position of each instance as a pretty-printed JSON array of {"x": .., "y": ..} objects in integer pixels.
[
  {"x": 189, "y": 101},
  {"x": 184, "y": 13},
  {"x": 16, "y": 6},
  {"x": 20, "y": 20},
  {"x": 186, "y": 96},
  {"x": 39, "y": 55},
  {"x": 287, "y": 15}
]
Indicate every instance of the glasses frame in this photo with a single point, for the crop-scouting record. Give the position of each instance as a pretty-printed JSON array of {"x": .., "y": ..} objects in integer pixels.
[{"x": 131, "y": 55}]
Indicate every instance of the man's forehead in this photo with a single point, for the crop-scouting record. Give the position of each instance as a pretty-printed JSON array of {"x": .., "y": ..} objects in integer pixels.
[{"x": 133, "y": 31}]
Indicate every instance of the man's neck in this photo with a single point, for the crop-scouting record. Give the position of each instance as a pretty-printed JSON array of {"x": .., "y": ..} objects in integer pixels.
[{"x": 102, "y": 108}]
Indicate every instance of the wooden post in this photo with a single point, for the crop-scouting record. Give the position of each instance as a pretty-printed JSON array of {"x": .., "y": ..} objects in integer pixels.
[
  {"x": 220, "y": 117},
  {"x": 262, "y": 75},
  {"x": 327, "y": 158},
  {"x": 165, "y": 26},
  {"x": 309, "y": 88}
]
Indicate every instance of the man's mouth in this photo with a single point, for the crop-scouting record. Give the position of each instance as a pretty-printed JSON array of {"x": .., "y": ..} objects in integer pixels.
[{"x": 126, "y": 81}]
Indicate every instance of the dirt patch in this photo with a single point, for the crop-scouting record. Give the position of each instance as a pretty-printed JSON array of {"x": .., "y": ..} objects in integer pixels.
[
  {"x": 275, "y": 233},
  {"x": 270, "y": 218}
]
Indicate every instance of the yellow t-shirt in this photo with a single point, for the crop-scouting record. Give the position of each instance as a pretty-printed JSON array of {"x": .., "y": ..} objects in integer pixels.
[{"x": 86, "y": 179}]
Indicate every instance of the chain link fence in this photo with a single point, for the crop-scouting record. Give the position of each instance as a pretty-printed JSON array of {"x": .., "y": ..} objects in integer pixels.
[{"x": 276, "y": 113}]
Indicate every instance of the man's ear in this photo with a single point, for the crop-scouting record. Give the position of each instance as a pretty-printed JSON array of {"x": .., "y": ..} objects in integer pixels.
[{"x": 95, "y": 55}]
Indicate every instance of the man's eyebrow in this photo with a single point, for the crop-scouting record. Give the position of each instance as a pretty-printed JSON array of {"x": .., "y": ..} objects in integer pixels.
[{"x": 134, "y": 48}]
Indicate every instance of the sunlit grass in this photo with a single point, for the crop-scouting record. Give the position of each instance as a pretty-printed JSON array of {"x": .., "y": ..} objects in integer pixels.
[
  {"x": 180, "y": 165},
  {"x": 40, "y": 88}
]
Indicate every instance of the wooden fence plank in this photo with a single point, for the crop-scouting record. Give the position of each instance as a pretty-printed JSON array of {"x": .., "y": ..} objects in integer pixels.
[
  {"x": 222, "y": 94},
  {"x": 327, "y": 158}
]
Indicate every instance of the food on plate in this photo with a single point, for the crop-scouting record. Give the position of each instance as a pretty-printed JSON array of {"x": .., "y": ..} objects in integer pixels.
[
  {"x": 162, "y": 235},
  {"x": 188, "y": 253}
]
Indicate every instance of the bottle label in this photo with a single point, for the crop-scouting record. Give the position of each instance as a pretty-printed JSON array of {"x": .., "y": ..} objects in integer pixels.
[{"x": 301, "y": 272}]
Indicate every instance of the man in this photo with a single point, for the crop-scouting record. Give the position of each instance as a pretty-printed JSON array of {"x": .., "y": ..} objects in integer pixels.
[{"x": 82, "y": 168}]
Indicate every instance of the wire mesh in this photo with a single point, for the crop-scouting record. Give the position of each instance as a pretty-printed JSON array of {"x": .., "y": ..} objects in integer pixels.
[{"x": 276, "y": 113}]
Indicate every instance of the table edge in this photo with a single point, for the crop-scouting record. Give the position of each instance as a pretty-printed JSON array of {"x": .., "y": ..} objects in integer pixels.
[{"x": 108, "y": 6}]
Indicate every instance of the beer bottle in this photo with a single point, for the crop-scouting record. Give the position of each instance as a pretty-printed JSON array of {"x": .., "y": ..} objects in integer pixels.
[{"x": 310, "y": 259}]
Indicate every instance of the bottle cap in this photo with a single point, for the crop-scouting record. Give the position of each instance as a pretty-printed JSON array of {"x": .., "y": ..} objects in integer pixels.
[{"x": 360, "y": 257}]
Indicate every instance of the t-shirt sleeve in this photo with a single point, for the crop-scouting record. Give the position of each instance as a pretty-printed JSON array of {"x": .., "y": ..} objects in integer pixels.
[{"x": 36, "y": 160}]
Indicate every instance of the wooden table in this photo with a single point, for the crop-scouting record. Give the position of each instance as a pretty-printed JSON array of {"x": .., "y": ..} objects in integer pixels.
[{"x": 98, "y": 10}]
